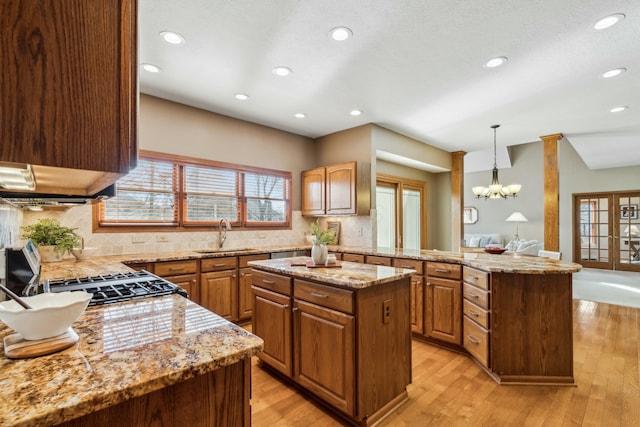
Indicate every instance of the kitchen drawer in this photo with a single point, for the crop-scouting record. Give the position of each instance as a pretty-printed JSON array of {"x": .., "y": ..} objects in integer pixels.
[
  {"x": 476, "y": 341},
  {"x": 244, "y": 259},
  {"x": 378, "y": 260},
  {"x": 477, "y": 314},
  {"x": 175, "y": 268},
  {"x": 412, "y": 264},
  {"x": 273, "y": 282},
  {"x": 353, "y": 257},
  {"x": 476, "y": 277},
  {"x": 444, "y": 270},
  {"x": 217, "y": 264},
  {"x": 476, "y": 295},
  {"x": 326, "y": 296}
]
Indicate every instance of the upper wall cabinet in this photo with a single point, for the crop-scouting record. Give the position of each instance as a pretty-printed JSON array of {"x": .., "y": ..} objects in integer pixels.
[
  {"x": 342, "y": 189},
  {"x": 69, "y": 91}
]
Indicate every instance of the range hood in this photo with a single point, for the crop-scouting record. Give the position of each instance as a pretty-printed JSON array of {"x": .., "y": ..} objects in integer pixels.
[{"x": 39, "y": 201}]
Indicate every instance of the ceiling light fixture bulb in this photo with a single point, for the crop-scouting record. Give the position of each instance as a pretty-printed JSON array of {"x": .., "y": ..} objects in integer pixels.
[
  {"x": 281, "y": 71},
  {"x": 340, "y": 33},
  {"x": 618, "y": 109},
  {"x": 614, "y": 72},
  {"x": 495, "y": 62},
  {"x": 300, "y": 115},
  {"x": 172, "y": 38},
  {"x": 241, "y": 96},
  {"x": 151, "y": 68},
  {"x": 609, "y": 21},
  {"x": 356, "y": 112}
]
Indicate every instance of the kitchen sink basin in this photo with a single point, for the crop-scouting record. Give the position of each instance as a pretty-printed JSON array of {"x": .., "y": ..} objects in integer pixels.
[{"x": 215, "y": 251}]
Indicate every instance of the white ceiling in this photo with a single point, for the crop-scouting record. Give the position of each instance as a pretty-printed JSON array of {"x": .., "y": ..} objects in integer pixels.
[{"x": 413, "y": 66}]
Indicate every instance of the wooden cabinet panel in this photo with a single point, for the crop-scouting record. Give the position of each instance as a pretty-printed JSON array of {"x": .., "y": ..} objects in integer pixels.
[
  {"x": 475, "y": 313},
  {"x": 313, "y": 192},
  {"x": 476, "y": 277},
  {"x": 70, "y": 101},
  {"x": 325, "y": 354},
  {"x": 417, "y": 304},
  {"x": 412, "y": 264},
  {"x": 218, "y": 293},
  {"x": 218, "y": 264},
  {"x": 272, "y": 323},
  {"x": 326, "y": 296},
  {"x": 341, "y": 189},
  {"x": 272, "y": 282},
  {"x": 378, "y": 260},
  {"x": 353, "y": 257},
  {"x": 476, "y": 341},
  {"x": 188, "y": 282},
  {"x": 444, "y": 310},
  {"x": 174, "y": 268},
  {"x": 243, "y": 260},
  {"x": 444, "y": 270},
  {"x": 245, "y": 294},
  {"x": 476, "y": 295}
]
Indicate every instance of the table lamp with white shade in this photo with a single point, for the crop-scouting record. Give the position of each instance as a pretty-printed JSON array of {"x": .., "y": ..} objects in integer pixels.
[
  {"x": 516, "y": 217},
  {"x": 632, "y": 231}
]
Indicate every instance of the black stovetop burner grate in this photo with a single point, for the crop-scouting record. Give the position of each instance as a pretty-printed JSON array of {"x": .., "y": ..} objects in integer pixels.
[{"x": 110, "y": 288}]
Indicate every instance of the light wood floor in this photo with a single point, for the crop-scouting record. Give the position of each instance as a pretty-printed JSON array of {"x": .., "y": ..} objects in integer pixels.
[{"x": 449, "y": 389}]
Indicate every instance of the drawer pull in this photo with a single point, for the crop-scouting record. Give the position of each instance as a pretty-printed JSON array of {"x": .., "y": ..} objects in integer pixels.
[
  {"x": 220, "y": 265},
  {"x": 472, "y": 277},
  {"x": 442, "y": 270},
  {"x": 176, "y": 268},
  {"x": 473, "y": 313},
  {"x": 473, "y": 340},
  {"x": 270, "y": 282},
  {"x": 376, "y": 263},
  {"x": 314, "y": 294},
  {"x": 407, "y": 266},
  {"x": 293, "y": 309},
  {"x": 472, "y": 295},
  {"x": 287, "y": 306},
  {"x": 428, "y": 283}
]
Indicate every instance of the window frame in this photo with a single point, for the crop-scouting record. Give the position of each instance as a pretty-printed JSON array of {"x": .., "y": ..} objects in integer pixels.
[{"x": 181, "y": 162}]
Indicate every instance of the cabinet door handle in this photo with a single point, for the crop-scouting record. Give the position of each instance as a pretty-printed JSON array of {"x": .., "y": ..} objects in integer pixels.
[
  {"x": 428, "y": 283},
  {"x": 313, "y": 294},
  {"x": 473, "y": 340},
  {"x": 176, "y": 268},
  {"x": 441, "y": 270},
  {"x": 193, "y": 281},
  {"x": 270, "y": 282},
  {"x": 473, "y": 313},
  {"x": 286, "y": 306},
  {"x": 293, "y": 309}
]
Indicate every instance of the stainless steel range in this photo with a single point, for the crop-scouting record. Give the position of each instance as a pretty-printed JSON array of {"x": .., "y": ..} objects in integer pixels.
[{"x": 110, "y": 288}]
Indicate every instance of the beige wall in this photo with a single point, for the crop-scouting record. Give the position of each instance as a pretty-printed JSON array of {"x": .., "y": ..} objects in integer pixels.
[
  {"x": 392, "y": 142},
  {"x": 170, "y": 127}
]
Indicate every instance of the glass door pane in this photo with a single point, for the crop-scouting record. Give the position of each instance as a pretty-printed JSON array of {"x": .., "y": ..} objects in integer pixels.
[
  {"x": 594, "y": 232},
  {"x": 628, "y": 232},
  {"x": 386, "y": 213},
  {"x": 411, "y": 219}
]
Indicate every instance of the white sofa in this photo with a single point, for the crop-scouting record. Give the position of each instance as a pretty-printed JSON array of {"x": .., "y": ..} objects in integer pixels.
[
  {"x": 480, "y": 240},
  {"x": 525, "y": 247}
]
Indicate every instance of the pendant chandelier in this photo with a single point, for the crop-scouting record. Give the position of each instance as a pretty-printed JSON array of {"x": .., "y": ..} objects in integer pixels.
[{"x": 496, "y": 190}]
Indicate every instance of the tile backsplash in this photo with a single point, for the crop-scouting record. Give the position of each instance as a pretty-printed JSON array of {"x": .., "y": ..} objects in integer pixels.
[{"x": 355, "y": 231}]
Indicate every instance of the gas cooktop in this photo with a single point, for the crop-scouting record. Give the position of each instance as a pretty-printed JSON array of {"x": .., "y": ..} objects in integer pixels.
[{"x": 110, "y": 288}]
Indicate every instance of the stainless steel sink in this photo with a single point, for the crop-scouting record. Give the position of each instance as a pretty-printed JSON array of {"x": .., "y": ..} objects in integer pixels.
[{"x": 215, "y": 251}]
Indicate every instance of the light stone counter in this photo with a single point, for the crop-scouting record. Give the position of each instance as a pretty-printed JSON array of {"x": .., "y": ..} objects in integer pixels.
[{"x": 125, "y": 350}]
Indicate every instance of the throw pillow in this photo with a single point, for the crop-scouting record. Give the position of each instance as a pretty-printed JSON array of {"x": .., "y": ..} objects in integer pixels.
[
  {"x": 484, "y": 241},
  {"x": 474, "y": 242}
]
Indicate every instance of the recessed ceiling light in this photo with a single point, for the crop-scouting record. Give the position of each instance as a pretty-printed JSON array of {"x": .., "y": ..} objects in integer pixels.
[
  {"x": 356, "y": 112},
  {"x": 241, "y": 96},
  {"x": 281, "y": 71},
  {"x": 608, "y": 21},
  {"x": 151, "y": 68},
  {"x": 618, "y": 109},
  {"x": 495, "y": 62},
  {"x": 172, "y": 38},
  {"x": 300, "y": 115},
  {"x": 340, "y": 33},
  {"x": 614, "y": 72}
]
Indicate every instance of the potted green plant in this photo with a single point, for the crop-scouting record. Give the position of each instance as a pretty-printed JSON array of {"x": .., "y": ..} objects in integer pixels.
[
  {"x": 52, "y": 238},
  {"x": 321, "y": 238}
]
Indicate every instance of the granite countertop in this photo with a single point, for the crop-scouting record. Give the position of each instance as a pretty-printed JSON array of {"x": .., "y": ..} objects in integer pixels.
[
  {"x": 124, "y": 350},
  {"x": 351, "y": 275}
]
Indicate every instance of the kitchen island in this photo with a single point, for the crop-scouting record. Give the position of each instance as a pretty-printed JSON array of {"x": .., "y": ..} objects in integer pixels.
[
  {"x": 341, "y": 333},
  {"x": 162, "y": 361}
]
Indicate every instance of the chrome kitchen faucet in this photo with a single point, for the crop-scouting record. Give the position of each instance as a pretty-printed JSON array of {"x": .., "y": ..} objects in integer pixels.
[{"x": 222, "y": 233}]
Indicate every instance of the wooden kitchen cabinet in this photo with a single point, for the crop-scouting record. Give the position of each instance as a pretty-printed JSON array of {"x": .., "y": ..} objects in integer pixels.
[
  {"x": 69, "y": 91},
  {"x": 245, "y": 280},
  {"x": 378, "y": 260},
  {"x": 272, "y": 319},
  {"x": 443, "y": 310},
  {"x": 219, "y": 286},
  {"x": 417, "y": 291},
  {"x": 182, "y": 273},
  {"x": 340, "y": 189}
]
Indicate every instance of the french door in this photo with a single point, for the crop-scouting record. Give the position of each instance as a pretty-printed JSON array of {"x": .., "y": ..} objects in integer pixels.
[
  {"x": 400, "y": 206},
  {"x": 607, "y": 230}
]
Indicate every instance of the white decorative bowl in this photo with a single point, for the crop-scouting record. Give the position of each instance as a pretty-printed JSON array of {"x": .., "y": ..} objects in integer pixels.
[
  {"x": 84, "y": 253},
  {"x": 52, "y": 313}
]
